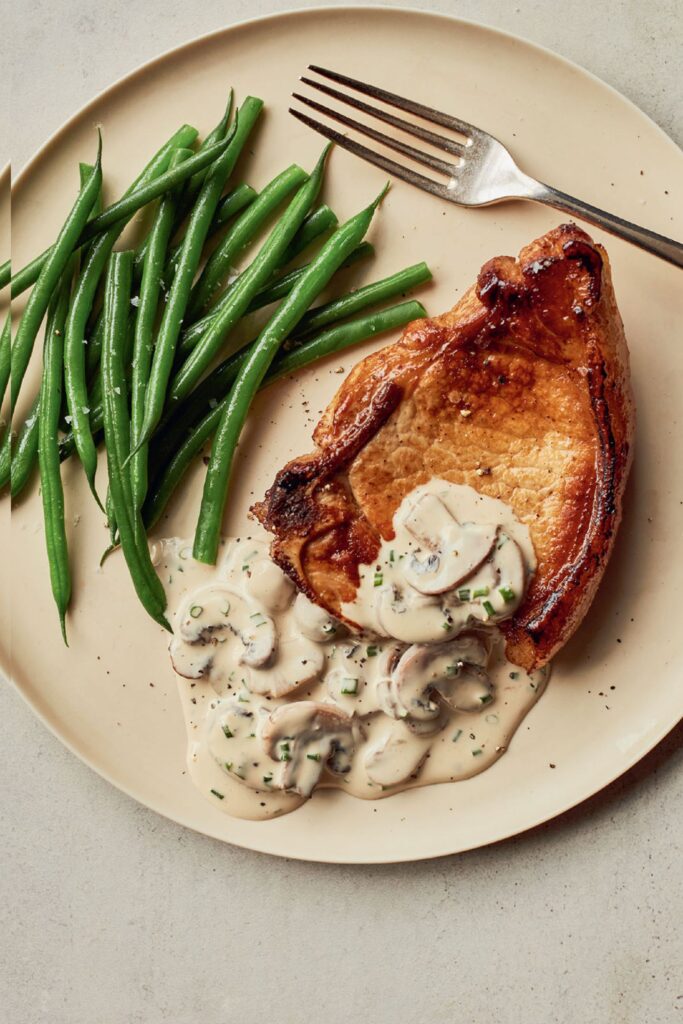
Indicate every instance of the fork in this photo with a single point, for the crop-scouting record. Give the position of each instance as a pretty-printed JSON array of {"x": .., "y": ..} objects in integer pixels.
[{"x": 480, "y": 170}]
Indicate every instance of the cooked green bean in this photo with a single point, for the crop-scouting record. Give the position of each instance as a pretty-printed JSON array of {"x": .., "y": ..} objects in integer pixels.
[
  {"x": 248, "y": 285},
  {"x": 280, "y": 325},
  {"x": 368, "y": 295},
  {"x": 48, "y": 448},
  {"x": 316, "y": 224},
  {"x": 273, "y": 292},
  {"x": 191, "y": 187},
  {"x": 24, "y": 452},
  {"x": 185, "y": 136},
  {"x": 143, "y": 343},
  {"x": 233, "y": 203},
  {"x": 5, "y": 273},
  {"x": 241, "y": 234},
  {"x": 75, "y": 365},
  {"x": 188, "y": 263},
  {"x": 5, "y": 347},
  {"x": 49, "y": 276},
  {"x": 334, "y": 340},
  {"x": 117, "y": 437}
]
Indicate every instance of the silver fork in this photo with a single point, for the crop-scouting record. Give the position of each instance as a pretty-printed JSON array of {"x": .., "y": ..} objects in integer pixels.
[{"x": 480, "y": 170}]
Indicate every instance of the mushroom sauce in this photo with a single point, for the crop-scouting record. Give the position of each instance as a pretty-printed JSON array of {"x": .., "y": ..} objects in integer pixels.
[{"x": 279, "y": 697}]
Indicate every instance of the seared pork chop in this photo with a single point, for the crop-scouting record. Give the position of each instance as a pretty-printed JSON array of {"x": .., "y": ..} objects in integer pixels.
[{"x": 522, "y": 392}]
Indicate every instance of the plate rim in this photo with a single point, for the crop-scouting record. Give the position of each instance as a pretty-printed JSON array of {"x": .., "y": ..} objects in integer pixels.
[{"x": 6, "y": 653}]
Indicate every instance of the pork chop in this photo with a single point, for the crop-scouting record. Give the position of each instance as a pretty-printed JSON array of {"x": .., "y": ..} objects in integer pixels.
[{"x": 521, "y": 391}]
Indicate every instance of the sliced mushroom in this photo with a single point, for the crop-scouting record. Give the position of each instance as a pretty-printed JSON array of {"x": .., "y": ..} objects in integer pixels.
[
  {"x": 314, "y": 622},
  {"x": 260, "y": 640},
  {"x": 298, "y": 661},
  {"x": 423, "y": 669},
  {"x": 416, "y": 618},
  {"x": 308, "y": 736},
  {"x": 454, "y": 551},
  {"x": 232, "y": 740},
  {"x": 469, "y": 690},
  {"x": 398, "y": 756}
]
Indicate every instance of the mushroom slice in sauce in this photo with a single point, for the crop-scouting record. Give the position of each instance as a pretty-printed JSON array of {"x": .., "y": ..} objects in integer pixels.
[
  {"x": 298, "y": 661},
  {"x": 454, "y": 551},
  {"x": 415, "y": 618},
  {"x": 422, "y": 669},
  {"x": 398, "y": 756},
  {"x": 314, "y": 622},
  {"x": 308, "y": 736}
]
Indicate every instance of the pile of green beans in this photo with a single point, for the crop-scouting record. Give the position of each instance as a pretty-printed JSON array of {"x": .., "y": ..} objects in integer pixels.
[{"x": 139, "y": 374}]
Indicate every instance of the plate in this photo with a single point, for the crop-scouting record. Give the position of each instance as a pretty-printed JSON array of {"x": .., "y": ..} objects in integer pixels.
[{"x": 616, "y": 690}]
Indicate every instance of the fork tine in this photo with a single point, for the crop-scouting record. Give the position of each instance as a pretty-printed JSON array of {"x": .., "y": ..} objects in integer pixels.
[
  {"x": 419, "y": 109},
  {"x": 439, "y": 141},
  {"x": 400, "y": 147},
  {"x": 404, "y": 173}
]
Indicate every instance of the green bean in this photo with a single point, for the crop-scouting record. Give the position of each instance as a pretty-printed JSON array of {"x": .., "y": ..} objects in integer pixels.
[
  {"x": 117, "y": 438},
  {"x": 215, "y": 135},
  {"x": 234, "y": 202},
  {"x": 316, "y": 224},
  {"x": 75, "y": 366},
  {"x": 191, "y": 187},
  {"x": 5, "y": 273},
  {"x": 24, "y": 453},
  {"x": 334, "y": 340},
  {"x": 313, "y": 226},
  {"x": 48, "y": 449},
  {"x": 242, "y": 233},
  {"x": 214, "y": 386},
  {"x": 5, "y": 347},
  {"x": 248, "y": 285},
  {"x": 185, "y": 136},
  {"x": 369, "y": 295},
  {"x": 188, "y": 263},
  {"x": 283, "y": 285},
  {"x": 148, "y": 301},
  {"x": 5, "y": 459},
  {"x": 231, "y": 204},
  {"x": 280, "y": 325},
  {"x": 50, "y": 274}
]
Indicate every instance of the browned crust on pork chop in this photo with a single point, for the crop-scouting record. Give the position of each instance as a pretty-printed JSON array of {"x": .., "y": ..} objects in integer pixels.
[{"x": 521, "y": 391}]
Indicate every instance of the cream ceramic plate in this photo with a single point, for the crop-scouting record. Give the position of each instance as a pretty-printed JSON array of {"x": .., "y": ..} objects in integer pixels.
[{"x": 616, "y": 689}]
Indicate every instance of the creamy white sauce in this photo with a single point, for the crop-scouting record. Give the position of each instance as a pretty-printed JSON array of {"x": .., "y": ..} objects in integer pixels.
[{"x": 280, "y": 698}]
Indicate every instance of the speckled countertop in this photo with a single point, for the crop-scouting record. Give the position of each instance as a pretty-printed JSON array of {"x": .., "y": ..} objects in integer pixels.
[{"x": 112, "y": 915}]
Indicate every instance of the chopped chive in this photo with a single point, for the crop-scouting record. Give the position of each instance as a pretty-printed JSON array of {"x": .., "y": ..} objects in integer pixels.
[
  {"x": 225, "y": 610},
  {"x": 392, "y": 556},
  {"x": 464, "y": 594},
  {"x": 481, "y": 592},
  {"x": 242, "y": 699},
  {"x": 349, "y": 685},
  {"x": 313, "y": 757},
  {"x": 372, "y": 650},
  {"x": 446, "y": 625},
  {"x": 487, "y": 698},
  {"x": 457, "y": 735},
  {"x": 267, "y": 779},
  {"x": 452, "y": 670},
  {"x": 228, "y": 732},
  {"x": 477, "y": 752},
  {"x": 196, "y": 610},
  {"x": 488, "y": 608},
  {"x": 514, "y": 675},
  {"x": 378, "y": 580},
  {"x": 507, "y": 593},
  {"x": 329, "y": 629},
  {"x": 215, "y": 792},
  {"x": 284, "y": 752}
]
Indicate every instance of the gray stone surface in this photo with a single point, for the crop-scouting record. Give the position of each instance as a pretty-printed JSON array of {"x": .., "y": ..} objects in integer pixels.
[{"x": 112, "y": 915}]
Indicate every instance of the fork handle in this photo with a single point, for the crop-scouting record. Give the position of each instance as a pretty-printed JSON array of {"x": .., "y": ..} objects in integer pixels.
[{"x": 666, "y": 248}]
